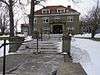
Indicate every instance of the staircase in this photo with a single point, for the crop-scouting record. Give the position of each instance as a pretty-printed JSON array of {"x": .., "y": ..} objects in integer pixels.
[{"x": 47, "y": 45}]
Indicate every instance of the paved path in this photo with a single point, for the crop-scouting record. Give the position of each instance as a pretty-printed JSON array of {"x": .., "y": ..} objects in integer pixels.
[
  {"x": 68, "y": 68},
  {"x": 41, "y": 64},
  {"x": 49, "y": 62}
]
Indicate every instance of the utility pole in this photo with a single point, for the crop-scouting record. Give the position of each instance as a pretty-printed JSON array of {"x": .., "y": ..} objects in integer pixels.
[
  {"x": 4, "y": 57},
  {"x": 37, "y": 36}
]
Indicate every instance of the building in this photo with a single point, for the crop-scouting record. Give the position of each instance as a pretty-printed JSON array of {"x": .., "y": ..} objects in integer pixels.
[{"x": 55, "y": 20}]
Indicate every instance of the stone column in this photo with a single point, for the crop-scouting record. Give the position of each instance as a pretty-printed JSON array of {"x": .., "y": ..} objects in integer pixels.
[{"x": 66, "y": 39}]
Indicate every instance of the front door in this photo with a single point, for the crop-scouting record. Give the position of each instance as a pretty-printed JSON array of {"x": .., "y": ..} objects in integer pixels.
[{"x": 57, "y": 29}]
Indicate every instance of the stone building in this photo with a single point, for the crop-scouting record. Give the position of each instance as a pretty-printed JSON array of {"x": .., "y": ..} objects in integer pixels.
[{"x": 55, "y": 20}]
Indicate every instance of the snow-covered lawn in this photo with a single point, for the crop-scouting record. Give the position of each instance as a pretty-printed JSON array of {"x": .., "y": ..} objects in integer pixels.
[
  {"x": 2, "y": 48},
  {"x": 84, "y": 51},
  {"x": 87, "y": 35},
  {"x": 87, "y": 52}
]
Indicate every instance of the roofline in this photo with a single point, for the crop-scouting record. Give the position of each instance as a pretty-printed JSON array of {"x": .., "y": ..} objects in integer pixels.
[
  {"x": 50, "y": 6},
  {"x": 75, "y": 13}
]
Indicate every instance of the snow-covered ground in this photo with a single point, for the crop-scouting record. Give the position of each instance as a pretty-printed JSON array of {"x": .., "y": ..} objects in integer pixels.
[
  {"x": 87, "y": 35},
  {"x": 2, "y": 48},
  {"x": 87, "y": 52},
  {"x": 84, "y": 51}
]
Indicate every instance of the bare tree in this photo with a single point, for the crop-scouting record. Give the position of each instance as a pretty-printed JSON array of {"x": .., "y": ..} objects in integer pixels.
[
  {"x": 31, "y": 16},
  {"x": 3, "y": 23},
  {"x": 10, "y": 4},
  {"x": 95, "y": 19},
  {"x": 91, "y": 20},
  {"x": 4, "y": 19}
]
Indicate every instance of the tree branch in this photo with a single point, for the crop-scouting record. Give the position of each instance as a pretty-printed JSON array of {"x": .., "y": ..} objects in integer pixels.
[{"x": 4, "y": 2}]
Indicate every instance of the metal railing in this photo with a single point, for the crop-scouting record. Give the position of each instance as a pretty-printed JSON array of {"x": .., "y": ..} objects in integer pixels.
[{"x": 4, "y": 52}]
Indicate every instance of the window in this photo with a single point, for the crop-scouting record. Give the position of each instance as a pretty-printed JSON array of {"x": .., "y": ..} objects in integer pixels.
[
  {"x": 67, "y": 10},
  {"x": 35, "y": 29},
  {"x": 70, "y": 28},
  {"x": 69, "y": 18},
  {"x": 60, "y": 10},
  {"x": 35, "y": 21},
  {"x": 45, "y": 20},
  {"x": 45, "y": 11}
]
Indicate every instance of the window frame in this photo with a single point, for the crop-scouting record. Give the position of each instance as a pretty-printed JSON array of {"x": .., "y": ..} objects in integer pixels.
[
  {"x": 45, "y": 11},
  {"x": 60, "y": 10},
  {"x": 35, "y": 20},
  {"x": 45, "y": 19},
  {"x": 70, "y": 18}
]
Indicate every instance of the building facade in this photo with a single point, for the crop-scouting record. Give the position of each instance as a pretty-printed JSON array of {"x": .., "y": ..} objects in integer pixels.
[{"x": 55, "y": 20}]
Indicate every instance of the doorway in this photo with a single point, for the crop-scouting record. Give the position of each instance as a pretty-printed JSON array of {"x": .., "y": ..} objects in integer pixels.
[{"x": 57, "y": 29}]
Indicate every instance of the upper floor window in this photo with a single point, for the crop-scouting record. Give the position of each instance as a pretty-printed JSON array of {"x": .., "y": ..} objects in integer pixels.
[
  {"x": 60, "y": 10},
  {"x": 45, "y": 20},
  {"x": 45, "y": 11},
  {"x": 35, "y": 20},
  {"x": 69, "y": 18},
  {"x": 70, "y": 28},
  {"x": 67, "y": 10}
]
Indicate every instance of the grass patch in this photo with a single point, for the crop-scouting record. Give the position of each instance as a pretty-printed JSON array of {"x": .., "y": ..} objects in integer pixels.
[{"x": 96, "y": 39}]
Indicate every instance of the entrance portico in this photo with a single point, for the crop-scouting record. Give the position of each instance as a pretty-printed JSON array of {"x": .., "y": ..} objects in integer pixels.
[
  {"x": 57, "y": 26},
  {"x": 57, "y": 29}
]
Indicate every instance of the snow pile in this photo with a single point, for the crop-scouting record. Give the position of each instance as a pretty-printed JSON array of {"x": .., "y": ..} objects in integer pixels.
[
  {"x": 83, "y": 35},
  {"x": 28, "y": 38},
  {"x": 2, "y": 48},
  {"x": 4, "y": 36},
  {"x": 97, "y": 36},
  {"x": 21, "y": 35},
  {"x": 79, "y": 55},
  {"x": 84, "y": 50},
  {"x": 87, "y": 35}
]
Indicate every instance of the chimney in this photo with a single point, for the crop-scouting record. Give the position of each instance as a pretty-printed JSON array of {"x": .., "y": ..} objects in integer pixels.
[{"x": 69, "y": 7}]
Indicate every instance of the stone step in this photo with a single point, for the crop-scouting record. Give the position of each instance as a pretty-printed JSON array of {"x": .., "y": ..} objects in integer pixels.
[
  {"x": 40, "y": 47},
  {"x": 27, "y": 51}
]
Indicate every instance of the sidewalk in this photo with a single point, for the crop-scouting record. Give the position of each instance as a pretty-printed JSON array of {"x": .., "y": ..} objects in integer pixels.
[
  {"x": 68, "y": 68},
  {"x": 41, "y": 64},
  {"x": 31, "y": 64}
]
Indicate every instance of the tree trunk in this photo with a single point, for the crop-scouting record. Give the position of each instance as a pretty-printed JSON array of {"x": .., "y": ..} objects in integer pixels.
[
  {"x": 92, "y": 34},
  {"x": 11, "y": 17},
  {"x": 31, "y": 18},
  {"x": 2, "y": 30}
]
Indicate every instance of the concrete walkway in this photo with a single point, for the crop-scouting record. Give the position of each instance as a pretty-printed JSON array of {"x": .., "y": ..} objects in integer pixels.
[
  {"x": 68, "y": 68},
  {"x": 41, "y": 64},
  {"x": 48, "y": 62}
]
